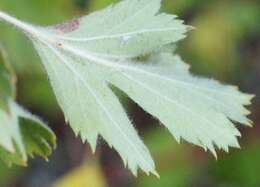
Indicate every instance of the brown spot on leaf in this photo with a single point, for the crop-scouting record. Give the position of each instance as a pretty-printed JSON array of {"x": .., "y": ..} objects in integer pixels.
[{"x": 67, "y": 26}]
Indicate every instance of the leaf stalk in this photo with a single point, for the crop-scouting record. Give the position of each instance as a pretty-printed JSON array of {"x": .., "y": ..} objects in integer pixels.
[{"x": 25, "y": 27}]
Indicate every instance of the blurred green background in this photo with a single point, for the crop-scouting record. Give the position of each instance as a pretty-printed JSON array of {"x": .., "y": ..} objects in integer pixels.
[{"x": 225, "y": 45}]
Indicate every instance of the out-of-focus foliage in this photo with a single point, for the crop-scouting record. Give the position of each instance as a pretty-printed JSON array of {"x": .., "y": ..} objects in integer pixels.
[
  {"x": 174, "y": 162},
  {"x": 227, "y": 171},
  {"x": 21, "y": 133},
  {"x": 221, "y": 27},
  {"x": 7, "y": 80},
  {"x": 224, "y": 56}
]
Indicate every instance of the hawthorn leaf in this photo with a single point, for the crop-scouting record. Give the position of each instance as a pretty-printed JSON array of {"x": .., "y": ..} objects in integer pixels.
[
  {"x": 7, "y": 80},
  {"x": 21, "y": 133},
  {"x": 87, "y": 56},
  {"x": 38, "y": 138},
  {"x": 196, "y": 109},
  {"x": 92, "y": 108}
]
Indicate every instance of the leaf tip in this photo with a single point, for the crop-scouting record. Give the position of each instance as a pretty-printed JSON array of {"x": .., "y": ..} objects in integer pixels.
[{"x": 155, "y": 173}]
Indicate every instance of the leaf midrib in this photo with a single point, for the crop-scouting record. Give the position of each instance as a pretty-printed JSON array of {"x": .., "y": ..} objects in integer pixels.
[
  {"x": 120, "y": 35},
  {"x": 171, "y": 100},
  {"x": 184, "y": 107},
  {"x": 102, "y": 61},
  {"x": 98, "y": 101}
]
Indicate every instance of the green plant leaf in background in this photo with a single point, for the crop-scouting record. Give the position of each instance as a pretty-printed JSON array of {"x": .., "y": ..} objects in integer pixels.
[
  {"x": 85, "y": 56},
  {"x": 7, "y": 80},
  {"x": 21, "y": 133}
]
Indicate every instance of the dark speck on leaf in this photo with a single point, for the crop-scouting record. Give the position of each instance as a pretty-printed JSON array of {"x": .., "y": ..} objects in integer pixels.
[{"x": 68, "y": 26}]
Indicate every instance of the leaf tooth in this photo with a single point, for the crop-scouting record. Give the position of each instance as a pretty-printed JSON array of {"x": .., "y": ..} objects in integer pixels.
[
  {"x": 66, "y": 119},
  {"x": 235, "y": 143},
  {"x": 154, "y": 172},
  {"x": 177, "y": 138},
  {"x": 134, "y": 171},
  {"x": 93, "y": 144},
  {"x": 125, "y": 162},
  {"x": 212, "y": 150},
  {"x": 76, "y": 131},
  {"x": 204, "y": 147},
  {"x": 249, "y": 122},
  {"x": 225, "y": 148}
]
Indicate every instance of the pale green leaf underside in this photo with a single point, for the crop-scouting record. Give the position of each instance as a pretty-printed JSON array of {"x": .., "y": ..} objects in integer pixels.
[
  {"x": 96, "y": 54},
  {"x": 84, "y": 57},
  {"x": 128, "y": 29}
]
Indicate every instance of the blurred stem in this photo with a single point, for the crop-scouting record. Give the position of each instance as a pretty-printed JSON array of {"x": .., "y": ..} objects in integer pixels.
[
  {"x": 17, "y": 23},
  {"x": 28, "y": 29}
]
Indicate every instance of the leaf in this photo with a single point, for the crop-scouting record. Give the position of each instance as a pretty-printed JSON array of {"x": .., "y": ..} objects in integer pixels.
[
  {"x": 21, "y": 134},
  {"x": 87, "y": 56},
  {"x": 128, "y": 29},
  {"x": 7, "y": 80},
  {"x": 38, "y": 138},
  {"x": 176, "y": 94},
  {"x": 92, "y": 108}
]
